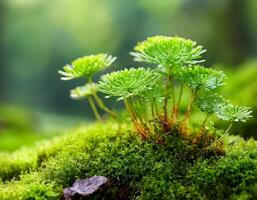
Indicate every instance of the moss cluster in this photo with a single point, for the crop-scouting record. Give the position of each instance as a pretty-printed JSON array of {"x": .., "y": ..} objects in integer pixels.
[{"x": 136, "y": 169}]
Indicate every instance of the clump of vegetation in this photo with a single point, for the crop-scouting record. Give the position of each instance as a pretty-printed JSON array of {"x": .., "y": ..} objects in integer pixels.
[
  {"x": 173, "y": 160},
  {"x": 137, "y": 169},
  {"x": 149, "y": 94}
]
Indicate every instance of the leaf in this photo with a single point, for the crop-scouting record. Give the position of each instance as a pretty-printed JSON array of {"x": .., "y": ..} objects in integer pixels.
[
  {"x": 84, "y": 91},
  {"x": 128, "y": 82},
  {"x": 168, "y": 51},
  {"x": 210, "y": 103},
  {"x": 198, "y": 77},
  {"x": 235, "y": 113},
  {"x": 86, "y": 66}
]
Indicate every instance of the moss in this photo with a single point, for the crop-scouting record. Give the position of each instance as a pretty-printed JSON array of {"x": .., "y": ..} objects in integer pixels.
[{"x": 136, "y": 169}]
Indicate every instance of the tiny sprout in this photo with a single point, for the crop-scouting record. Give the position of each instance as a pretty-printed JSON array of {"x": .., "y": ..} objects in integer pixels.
[
  {"x": 209, "y": 103},
  {"x": 85, "y": 91},
  {"x": 232, "y": 113},
  {"x": 168, "y": 51},
  {"x": 198, "y": 77},
  {"x": 128, "y": 82},
  {"x": 86, "y": 66}
]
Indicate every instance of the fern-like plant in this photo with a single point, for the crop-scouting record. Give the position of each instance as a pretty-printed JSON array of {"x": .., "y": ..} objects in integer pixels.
[
  {"x": 168, "y": 53},
  {"x": 199, "y": 78},
  {"x": 128, "y": 85},
  {"x": 142, "y": 89},
  {"x": 86, "y": 67}
]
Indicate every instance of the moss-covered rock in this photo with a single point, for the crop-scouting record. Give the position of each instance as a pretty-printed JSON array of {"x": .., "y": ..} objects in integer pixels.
[{"x": 136, "y": 169}]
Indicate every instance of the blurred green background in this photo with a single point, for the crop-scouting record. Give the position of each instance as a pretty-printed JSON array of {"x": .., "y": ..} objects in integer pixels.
[{"x": 38, "y": 37}]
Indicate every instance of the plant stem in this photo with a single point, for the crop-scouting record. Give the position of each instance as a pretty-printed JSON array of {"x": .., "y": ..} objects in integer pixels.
[
  {"x": 225, "y": 134},
  {"x": 92, "y": 104},
  {"x": 143, "y": 105},
  {"x": 129, "y": 107},
  {"x": 168, "y": 80},
  {"x": 179, "y": 99},
  {"x": 130, "y": 111},
  {"x": 156, "y": 107},
  {"x": 174, "y": 106},
  {"x": 204, "y": 122},
  {"x": 132, "y": 108},
  {"x": 203, "y": 126},
  {"x": 190, "y": 105},
  {"x": 152, "y": 109},
  {"x": 103, "y": 106}
]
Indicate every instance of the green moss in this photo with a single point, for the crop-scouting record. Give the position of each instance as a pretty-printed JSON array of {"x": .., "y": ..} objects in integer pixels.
[{"x": 136, "y": 169}]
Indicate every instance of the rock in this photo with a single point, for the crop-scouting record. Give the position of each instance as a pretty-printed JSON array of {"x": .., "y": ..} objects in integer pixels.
[{"x": 84, "y": 187}]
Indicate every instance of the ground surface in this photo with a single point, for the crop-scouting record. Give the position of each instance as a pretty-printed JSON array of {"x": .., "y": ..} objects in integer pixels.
[{"x": 136, "y": 169}]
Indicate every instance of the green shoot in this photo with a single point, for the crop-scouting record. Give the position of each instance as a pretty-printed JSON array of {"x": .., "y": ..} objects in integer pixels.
[
  {"x": 199, "y": 78},
  {"x": 168, "y": 53},
  {"x": 128, "y": 84},
  {"x": 86, "y": 67}
]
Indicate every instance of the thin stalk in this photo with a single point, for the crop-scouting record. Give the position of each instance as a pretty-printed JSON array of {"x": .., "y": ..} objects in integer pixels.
[
  {"x": 92, "y": 104},
  {"x": 134, "y": 111},
  {"x": 174, "y": 109},
  {"x": 179, "y": 99},
  {"x": 152, "y": 109},
  {"x": 225, "y": 134},
  {"x": 134, "y": 117},
  {"x": 190, "y": 105},
  {"x": 204, "y": 122},
  {"x": 156, "y": 107},
  {"x": 132, "y": 108},
  {"x": 203, "y": 126},
  {"x": 103, "y": 106},
  {"x": 168, "y": 80},
  {"x": 143, "y": 105}
]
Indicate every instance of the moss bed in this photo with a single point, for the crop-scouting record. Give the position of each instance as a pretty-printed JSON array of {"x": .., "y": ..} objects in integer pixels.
[{"x": 136, "y": 169}]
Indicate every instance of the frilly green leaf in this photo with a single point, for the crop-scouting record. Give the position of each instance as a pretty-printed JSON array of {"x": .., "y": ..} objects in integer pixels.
[
  {"x": 84, "y": 91},
  {"x": 210, "y": 103},
  {"x": 198, "y": 77},
  {"x": 168, "y": 51},
  {"x": 234, "y": 113},
  {"x": 128, "y": 82},
  {"x": 86, "y": 66}
]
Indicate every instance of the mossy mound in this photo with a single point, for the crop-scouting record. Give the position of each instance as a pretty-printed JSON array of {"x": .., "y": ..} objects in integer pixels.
[{"x": 136, "y": 169}]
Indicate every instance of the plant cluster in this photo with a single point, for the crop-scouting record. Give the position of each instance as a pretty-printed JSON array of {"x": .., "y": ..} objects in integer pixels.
[{"x": 150, "y": 95}]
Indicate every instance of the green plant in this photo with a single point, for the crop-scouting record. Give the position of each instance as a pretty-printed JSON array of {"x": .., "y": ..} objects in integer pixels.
[
  {"x": 150, "y": 95},
  {"x": 128, "y": 85},
  {"x": 86, "y": 67}
]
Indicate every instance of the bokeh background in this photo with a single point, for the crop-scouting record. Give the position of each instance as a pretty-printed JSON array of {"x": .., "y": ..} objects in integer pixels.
[{"x": 38, "y": 37}]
